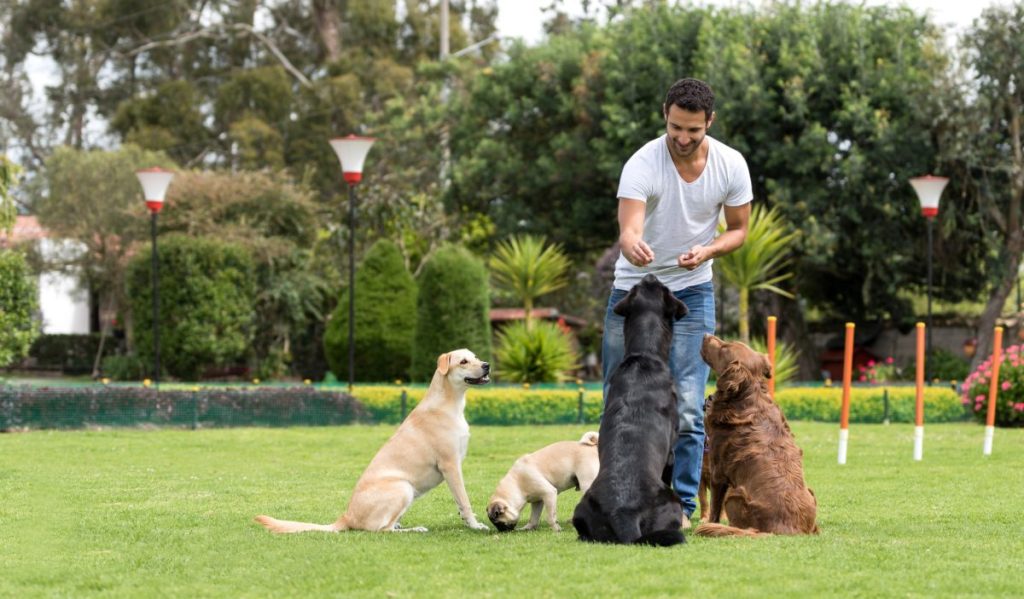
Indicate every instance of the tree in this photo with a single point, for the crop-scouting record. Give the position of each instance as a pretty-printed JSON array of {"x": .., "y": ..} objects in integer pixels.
[
  {"x": 385, "y": 319},
  {"x": 452, "y": 309},
  {"x": 93, "y": 199},
  {"x": 207, "y": 293},
  {"x": 8, "y": 177},
  {"x": 760, "y": 263},
  {"x": 987, "y": 157},
  {"x": 525, "y": 267},
  {"x": 18, "y": 327},
  {"x": 276, "y": 221}
]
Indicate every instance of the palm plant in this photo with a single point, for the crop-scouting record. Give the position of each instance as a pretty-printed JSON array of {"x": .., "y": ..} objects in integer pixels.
[
  {"x": 760, "y": 263},
  {"x": 526, "y": 267},
  {"x": 786, "y": 360}
]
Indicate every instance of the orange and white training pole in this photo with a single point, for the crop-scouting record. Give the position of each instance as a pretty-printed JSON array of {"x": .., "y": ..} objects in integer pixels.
[
  {"x": 919, "y": 398},
  {"x": 771, "y": 355},
  {"x": 993, "y": 390},
  {"x": 844, "y": 410}
]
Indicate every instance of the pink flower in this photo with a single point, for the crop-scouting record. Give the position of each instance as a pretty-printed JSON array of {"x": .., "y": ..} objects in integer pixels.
[
  {"x": 979, "y": 399},
  {"x": 871, "y": 363},
  {"x": 1006, "y": 385},
  {"x": 862, "y": 378},
  {"x": 1018, "y": 407},
  {"x": 889, "y": 360}
]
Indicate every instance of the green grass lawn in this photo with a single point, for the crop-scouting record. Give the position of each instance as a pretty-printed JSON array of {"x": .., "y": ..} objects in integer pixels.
[{"x": 132, "y": 513}]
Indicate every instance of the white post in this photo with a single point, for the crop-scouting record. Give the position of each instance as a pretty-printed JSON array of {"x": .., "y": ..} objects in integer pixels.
[
  {"x": 844, "y": 438},
  {"x": 990, "y": 431},
  {"x": 918, "y": 443}
]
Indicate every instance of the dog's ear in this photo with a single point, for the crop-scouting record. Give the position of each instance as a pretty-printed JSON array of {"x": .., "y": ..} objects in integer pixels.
[
  {"x": 676, "y": 305},
  {"x": 622, "y": 306},
  {"x": 442, "y": 363},
  {"x": 767, "y": 367}
]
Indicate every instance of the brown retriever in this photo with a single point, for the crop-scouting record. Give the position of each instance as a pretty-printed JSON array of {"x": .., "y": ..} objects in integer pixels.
[{"x": 756, "y": 468}]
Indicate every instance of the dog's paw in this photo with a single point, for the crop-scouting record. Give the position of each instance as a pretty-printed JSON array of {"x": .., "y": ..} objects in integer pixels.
[
  {"x": 530, "y": 527},
  {"x": 555, "y": 527},
  {"x": 416, "y": 529},
  {"x": 477, "y": 525}
]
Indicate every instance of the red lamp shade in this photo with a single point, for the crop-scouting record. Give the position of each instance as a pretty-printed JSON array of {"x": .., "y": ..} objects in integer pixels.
[
  {"x": 352, "y": 151},
  {"x": 154, "y": 186},
  {"x": 929, "y": 189}
]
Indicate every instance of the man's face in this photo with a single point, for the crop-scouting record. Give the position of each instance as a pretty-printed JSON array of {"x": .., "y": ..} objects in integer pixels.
[{"x": 686, "y": 130}]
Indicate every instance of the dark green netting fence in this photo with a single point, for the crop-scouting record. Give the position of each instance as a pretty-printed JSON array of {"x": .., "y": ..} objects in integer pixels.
[{"x": 32, "y": 407}]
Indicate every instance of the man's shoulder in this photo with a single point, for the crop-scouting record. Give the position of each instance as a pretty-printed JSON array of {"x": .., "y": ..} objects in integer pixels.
[{"x": 725, "y": 150}]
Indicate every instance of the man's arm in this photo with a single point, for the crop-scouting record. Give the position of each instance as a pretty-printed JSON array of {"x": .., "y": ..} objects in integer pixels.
[
  {"x": 736, "y": 220},
  {"x": 631, "y": 232}
]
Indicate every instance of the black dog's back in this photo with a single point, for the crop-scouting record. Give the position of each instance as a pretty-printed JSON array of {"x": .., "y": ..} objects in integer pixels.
[{"x": 630, "y": 500}]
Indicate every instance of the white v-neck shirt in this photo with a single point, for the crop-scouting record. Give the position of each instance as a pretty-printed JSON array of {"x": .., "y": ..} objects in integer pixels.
[{"x": 679, "y": 215}]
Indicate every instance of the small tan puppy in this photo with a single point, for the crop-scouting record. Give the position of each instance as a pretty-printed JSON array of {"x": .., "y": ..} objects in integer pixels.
[
  {"x": 537, "y": 478},
  {"x": 428, "y": 447}
]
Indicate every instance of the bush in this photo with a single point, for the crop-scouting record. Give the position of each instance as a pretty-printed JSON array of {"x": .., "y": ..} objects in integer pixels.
[
  {"x": 943, "y": 365},
  {"x": 18, "y": 328},
  {"x": 100, "y": 405},
  {"x": 206, "y": 305},
  {"x": 385, "y": 319},
  {"x": 1010, "y": 395},
  {"x": 452, "y": 310},
  {"x": 126, "y": 368},
  {"x": 787, "y": 360},
  {"x": 540, "y": 354},
  {"x": 71, "y": 354}
]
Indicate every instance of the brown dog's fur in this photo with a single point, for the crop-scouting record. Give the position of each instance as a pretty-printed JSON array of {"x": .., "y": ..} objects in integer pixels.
[{"x": 756, "y": 467}]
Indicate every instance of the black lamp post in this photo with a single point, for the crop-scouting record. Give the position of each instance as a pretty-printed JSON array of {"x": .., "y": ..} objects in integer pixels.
[
  {"x": 352, "y": 151},
  {"x": 929, "y": 189},
  {"x": 154, "y": 186}
]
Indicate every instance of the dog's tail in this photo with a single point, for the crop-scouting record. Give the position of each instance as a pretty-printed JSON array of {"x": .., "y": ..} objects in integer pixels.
[
  {"x": 589, "y": 438},
  {"x": 711, "y": 529},
  {"x": 286, "y": 526},
  {"x": 662, "y": 538}
]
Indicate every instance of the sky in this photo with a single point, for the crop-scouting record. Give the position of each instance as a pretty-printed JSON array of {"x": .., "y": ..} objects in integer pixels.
[{"x": 523, "y": 18}]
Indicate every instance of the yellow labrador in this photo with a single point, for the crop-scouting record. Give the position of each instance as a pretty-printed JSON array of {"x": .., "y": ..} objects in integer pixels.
[
  {"x": 427, "y": 447},
  {"x": 537, "y": 478}
]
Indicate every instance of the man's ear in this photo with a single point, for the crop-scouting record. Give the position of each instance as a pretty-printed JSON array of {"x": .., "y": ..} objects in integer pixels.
[
  {"x": 442, "y": 363},
  {"x": 710, "y": 120}
]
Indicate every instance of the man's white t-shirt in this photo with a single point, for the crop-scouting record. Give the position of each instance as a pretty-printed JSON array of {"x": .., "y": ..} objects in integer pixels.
[{"x": 679, "y": 215}]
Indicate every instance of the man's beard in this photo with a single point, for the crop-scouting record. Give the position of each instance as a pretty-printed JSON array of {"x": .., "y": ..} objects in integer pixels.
[{"x": 688, "y": 150}]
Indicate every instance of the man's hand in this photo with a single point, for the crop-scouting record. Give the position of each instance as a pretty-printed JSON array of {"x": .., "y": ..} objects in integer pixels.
[
  {"x": 638, "y": 253},
  {"x": 697, "y": 255}
]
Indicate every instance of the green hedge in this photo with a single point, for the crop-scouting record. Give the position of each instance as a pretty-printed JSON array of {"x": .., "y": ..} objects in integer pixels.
[
  {"x": 515, "y": 405},
  {"x": 867, "y": 404},
  {"x": 71, "y": 354}
]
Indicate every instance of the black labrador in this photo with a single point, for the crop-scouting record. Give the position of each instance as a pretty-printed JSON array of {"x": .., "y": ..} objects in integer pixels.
[{"x": 631, "y": 501}]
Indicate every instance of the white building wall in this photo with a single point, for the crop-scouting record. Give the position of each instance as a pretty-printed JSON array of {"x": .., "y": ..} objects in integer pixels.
[{"x": 64, "y": 305}]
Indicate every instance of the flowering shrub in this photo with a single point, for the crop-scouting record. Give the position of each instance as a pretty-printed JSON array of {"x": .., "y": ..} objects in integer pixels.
[
  {"x": 1010, "y": 396},
  {"x": 878, "y": 372}
]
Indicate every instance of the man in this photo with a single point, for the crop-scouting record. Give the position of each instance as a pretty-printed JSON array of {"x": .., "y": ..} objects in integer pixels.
[{"x": 671, "y": 192}]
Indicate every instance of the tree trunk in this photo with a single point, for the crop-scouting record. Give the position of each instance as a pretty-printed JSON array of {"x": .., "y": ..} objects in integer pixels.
[
  {"x": 994, "y": 307},
  {"x": 328, "y": 25}
]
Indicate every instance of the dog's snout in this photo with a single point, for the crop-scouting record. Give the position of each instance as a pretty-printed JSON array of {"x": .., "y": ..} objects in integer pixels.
[{"x": 486, "y": 366}]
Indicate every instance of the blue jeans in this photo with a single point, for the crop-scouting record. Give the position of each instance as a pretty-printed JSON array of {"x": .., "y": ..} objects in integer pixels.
[{"x": 689, "y": 372}]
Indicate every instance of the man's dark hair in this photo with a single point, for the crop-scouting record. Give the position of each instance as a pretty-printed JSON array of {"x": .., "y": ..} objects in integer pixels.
[{"x": 692, "y": 95}]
